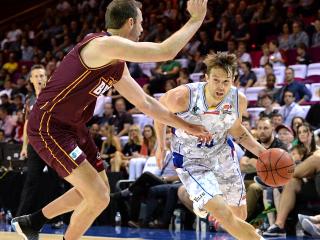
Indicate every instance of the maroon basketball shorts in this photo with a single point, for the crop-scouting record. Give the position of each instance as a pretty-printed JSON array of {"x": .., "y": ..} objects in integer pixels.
[{"x": 62, "y": 146}]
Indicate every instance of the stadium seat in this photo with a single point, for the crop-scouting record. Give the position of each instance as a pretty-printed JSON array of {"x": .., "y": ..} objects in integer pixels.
[
  {"x": 183, "y": 62},
  {"x": 124, "y": 140},
  {"x": 300, "y": 71},
  {"x": 142, "y": 120},
  {"x": 314, "y": 54},
  {"x": 259, "y": 72},
  {"x": 254, "y": 114},
  {"x": 279, "y": 72},
  {"x": 315, "y": 90},
  {"x": 313, "y": 72},
  {"x": 195, "y": 77},
  {"x": 146, "y": 68},
  {"x": 252, "y": 93}
]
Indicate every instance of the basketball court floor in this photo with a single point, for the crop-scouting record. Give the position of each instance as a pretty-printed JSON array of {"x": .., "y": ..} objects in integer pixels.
[{"x": 112, "y": 233}]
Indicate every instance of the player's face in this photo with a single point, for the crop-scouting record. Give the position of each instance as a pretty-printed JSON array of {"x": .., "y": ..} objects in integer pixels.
[
  {"x": 137, "y": 29},
  {"x": 38, "y": 77},
  {"x": 219, "y": 82}
]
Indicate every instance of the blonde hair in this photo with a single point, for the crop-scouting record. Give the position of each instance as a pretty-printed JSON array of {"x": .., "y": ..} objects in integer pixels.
[
  {"x": 138, "y": 139},
  {"x": 224, "y": 60}
]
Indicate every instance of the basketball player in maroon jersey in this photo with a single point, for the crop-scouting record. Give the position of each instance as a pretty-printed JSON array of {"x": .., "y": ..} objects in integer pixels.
[{"x": 57, "y": 128}]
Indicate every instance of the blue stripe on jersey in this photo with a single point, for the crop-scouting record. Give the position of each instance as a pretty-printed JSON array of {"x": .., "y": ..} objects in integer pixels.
[
  {"x": 177, "y": 160},
  {"x": 199, "y": 184}
]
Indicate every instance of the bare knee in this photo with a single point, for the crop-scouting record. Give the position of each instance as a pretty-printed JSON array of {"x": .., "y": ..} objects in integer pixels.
[
  {"x": 100, "y": 199},
  {"x": 240, "y": 211},
  {"x": 219, "y": 209}
]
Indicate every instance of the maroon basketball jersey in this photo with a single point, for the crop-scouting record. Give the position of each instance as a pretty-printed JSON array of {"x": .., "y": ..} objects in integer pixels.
[{"x": 70, "y": 94}]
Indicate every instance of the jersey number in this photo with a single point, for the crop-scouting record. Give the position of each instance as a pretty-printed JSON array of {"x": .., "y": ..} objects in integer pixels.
[{"x": 207, "y": 145}]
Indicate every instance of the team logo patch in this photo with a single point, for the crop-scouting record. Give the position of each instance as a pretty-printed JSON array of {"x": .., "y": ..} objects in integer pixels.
[{"x": 75, "y": 153}]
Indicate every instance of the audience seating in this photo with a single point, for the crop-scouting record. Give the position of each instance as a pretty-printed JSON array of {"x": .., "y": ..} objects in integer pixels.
[
  {"x": 300, "y": 71},
  {"x": 196, "y": 77}
]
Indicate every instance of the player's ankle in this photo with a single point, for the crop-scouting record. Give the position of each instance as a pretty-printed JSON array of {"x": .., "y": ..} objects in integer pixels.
[{"x": 38, "y": 219}]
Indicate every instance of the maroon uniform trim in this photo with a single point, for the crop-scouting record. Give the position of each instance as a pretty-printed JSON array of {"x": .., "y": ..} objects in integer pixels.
[{"x": 46, "y": 145}]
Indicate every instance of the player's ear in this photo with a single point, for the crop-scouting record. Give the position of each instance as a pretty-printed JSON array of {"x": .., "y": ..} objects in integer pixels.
[
  {"x": 206, "y": 77},
  {"x": 131, "y": 22}
]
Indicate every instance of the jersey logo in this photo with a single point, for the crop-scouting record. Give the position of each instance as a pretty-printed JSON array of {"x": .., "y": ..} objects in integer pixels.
[{"x": 103, "y": 86}]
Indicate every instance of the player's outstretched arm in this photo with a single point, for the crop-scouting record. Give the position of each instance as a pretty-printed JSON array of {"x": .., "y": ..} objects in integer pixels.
[
  {"x": 129, "y": 89},
  {"x": 175, "y": 100},
  {"x": 116, "y": 47},
  {"x": 241, "y": 134}
]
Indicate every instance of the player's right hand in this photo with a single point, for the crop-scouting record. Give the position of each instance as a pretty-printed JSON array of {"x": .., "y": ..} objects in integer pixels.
[
  {"x": 201, "y": 132},
  {"x": 197, "y": 9},
  {"x": 23, "y": 154}
]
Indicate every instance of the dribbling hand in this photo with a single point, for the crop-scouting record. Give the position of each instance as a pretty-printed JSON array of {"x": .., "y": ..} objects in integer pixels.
[
  {"x": 197, "y": 9},
  {"x": 201, "y": 132}
]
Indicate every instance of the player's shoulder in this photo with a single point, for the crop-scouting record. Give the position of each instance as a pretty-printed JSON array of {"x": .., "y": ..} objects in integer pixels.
[{"x": 242, "y": 99}]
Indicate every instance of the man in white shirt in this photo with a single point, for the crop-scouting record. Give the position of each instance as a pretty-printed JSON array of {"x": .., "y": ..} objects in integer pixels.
[{"x": 291, "y": 109}]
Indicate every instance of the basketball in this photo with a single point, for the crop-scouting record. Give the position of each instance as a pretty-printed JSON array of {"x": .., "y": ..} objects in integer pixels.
[{"x": 275, "y": 167}]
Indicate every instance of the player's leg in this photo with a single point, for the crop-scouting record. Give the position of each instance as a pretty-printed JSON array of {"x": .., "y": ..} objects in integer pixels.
[
  {"x": 239, "y": 211},
  {"x": 95, "y": 195},
  {"x": 234, "y": 225}
]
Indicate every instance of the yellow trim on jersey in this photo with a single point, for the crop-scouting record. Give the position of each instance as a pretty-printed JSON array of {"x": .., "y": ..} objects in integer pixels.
[
  {"x": 85, "y": 72},
  {"x": 58, "y": 143},
  {"x": 46, "y": 145},
  {"x": 74, "y": 85}
]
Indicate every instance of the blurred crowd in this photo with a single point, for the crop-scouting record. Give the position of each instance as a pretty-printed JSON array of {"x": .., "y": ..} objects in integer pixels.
[{"x": 126, "y": 139}]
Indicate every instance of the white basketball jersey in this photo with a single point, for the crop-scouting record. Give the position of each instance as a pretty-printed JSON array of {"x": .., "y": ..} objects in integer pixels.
[{"x": 217, "y": 121}]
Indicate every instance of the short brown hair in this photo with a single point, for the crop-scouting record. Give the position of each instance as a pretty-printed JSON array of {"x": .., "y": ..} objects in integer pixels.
[
  {"x": 119, "y": 11},
  {"x": 224, "y": 60}
]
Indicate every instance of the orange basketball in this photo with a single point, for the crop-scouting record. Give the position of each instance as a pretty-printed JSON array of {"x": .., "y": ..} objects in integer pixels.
[{"x": 275, "y": 167}]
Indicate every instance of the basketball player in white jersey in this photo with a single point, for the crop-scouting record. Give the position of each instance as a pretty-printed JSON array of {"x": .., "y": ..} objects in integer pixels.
[{"x": 210, "y": 171}]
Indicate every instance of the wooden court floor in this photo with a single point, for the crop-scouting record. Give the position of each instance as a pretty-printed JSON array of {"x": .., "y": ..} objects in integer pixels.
[{"x": 14, "y": 236}]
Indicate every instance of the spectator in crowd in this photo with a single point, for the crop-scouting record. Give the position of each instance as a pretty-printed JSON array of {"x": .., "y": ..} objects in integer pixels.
[
  {"x": 107, "y": 117},
  {"x": 111, "y": 147},
  {"x": 2, "y": 136},
  {"x": 265, "y": 55},
  {"x": 276, "y": 120},
  {"x": 12, "y": 65},
  {"x": 222, "y": 34},
  {"x": 159, "y": 33},
  {"x": 123, "y": 119},
  {"x": 306, "y": 138},
  {"x": 275, "y": 57},
  {"x": 296, "y": 122},
  {"x": 291, "y": 109},
  {"x": 316, "y": 34},
  {"x": 26, "y": 50},
  {"x": 303, "y": 184},
  {"x": 148, "y": 149},
  {"x": 299, "y": 90},
  {"x": 7, "y": 122},
  {"x": 240, "y": 30},
  {"x": 248, "y": 78},
  {"x": 143, "y": 185},
  {"x": 131, "y": 148},
  {"x": 302, "y": 56},
  {"x": 232, "y": 46},
  {"x": 205, "y": 43},
  {"x": 262, "y": 80},
  {"x": 266, "y": 102},
  {"x": 19, "y": 88},
  {"x": 266, "y": 137},
  {"x": 283, "y": 38},
  {"x": 285, "y": 135},
  {"x": 7, "y": 88},
  {"x": 183, "y": 77},
  {"x": 242, "y": 54},
  {"x": 298, "y": 35},
  {"x": 96, "y": 136}
]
